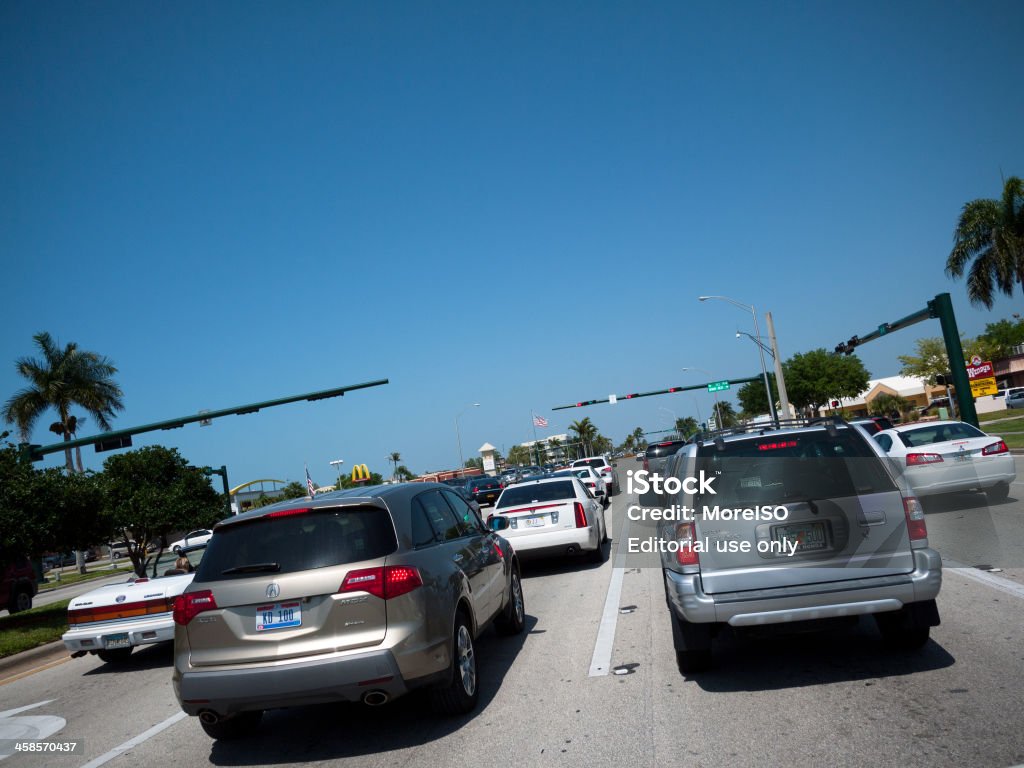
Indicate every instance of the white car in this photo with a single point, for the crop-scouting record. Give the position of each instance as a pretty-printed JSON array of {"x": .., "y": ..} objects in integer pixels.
[
  {"x": 192, "y": 538},
  {"x": 111, "y": 620},
  {"x": 603, "y": 467},
  {"x": 591, "y": 478},
  {"x": 551, "y": 516},
  {"x": 948, "y": 456}
]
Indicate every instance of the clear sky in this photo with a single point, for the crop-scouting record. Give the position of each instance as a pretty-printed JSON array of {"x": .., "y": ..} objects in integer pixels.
[{"x": 512, "y": 204}]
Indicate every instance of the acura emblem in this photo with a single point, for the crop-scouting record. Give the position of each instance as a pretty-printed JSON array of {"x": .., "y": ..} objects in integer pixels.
[{"x": 273, "y": 590}]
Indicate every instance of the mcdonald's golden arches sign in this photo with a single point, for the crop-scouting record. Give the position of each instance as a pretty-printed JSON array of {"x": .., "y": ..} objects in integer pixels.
[{"x": 360, "y": 473}]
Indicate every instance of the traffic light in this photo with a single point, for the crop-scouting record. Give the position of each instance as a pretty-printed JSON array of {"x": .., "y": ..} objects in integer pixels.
[{"x": 941, "y": 379}]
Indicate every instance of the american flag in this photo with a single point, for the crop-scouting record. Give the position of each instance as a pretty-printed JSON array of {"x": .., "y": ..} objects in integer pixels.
[
  {"x": 309, "y": 484},
  {"x": 539, "y": 421}
]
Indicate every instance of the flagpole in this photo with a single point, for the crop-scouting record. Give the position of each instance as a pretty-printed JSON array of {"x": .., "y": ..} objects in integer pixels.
[{"x": 533, "y": 421}]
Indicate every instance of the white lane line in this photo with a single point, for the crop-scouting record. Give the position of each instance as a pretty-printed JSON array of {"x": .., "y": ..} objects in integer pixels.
[
  {"x": 600, "y": 662},
  {"x": 989, "y": 579},
  {"x": 134, "y": 742}
]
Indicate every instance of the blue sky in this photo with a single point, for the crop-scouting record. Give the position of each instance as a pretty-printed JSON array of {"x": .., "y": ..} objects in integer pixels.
[{"x": 515, "y": 205}]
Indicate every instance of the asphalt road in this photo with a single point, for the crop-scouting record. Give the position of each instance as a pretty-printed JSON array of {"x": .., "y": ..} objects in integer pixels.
[{"x": 553, "y": 697}]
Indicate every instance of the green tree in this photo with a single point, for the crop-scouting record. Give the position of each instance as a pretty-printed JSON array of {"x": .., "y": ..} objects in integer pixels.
[
  {"x": 394, "y": 458},
  {"x": 989, "y": 236},
  {"x": 1000, "y": 338},
  {"x": 931, "y": 358},
  {"x": 63, "y": 378},
  {"x": 519, "y": 455},
  {"x": 886, "y": 404},
  {"x": 585, "y": 432},
  {"x": 557, "y": 452},
  {"x": 686, "y": 426},
  {"x": 345, "y": 481},
  {"x": 639, "y": 441},
  {"x": 752, "y": 398},
  {"x": 403, "y": 474},
  {"x": 152, "y": 492},
  {"x": 727, "y": 414},
  {"x": 815, "y": 378},
  {"x": 474, "y": 463}
]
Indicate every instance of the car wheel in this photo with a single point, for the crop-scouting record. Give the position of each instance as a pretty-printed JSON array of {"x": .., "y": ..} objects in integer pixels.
[
  {"x": 998, "y": 493},
  {"x": 600, "y": 554},
  {"x": 234, "y": 727},
  {"x": 459, "y": 695},
  {"x": 693, "y": 661},
  {"x": 513, "y": 620},
  {"x": 21, "y": 600},
  {"x": 115, "y": 655}
]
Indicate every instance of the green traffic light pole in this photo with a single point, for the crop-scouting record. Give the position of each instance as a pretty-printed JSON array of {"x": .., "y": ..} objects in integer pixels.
[
  {"x": 940, "y": 307},
  {"x": 223, "y": 472},
  {"x": 121, "y": 438}
]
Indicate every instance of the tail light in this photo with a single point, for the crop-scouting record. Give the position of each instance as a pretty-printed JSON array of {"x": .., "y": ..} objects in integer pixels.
[
  {"x": 476, "y": 490},
  {"x": 581, "y": 516},
  {"x": 385, "y": 583},
  {"x": 191, "y": 604},
  {"x": 686, "y": 535},
  {"x": 917, "y": 459},
  {"x": 915, "y": 518},
  {"x": 991, "y": 450},
  {"x": 647, "y": 467}
]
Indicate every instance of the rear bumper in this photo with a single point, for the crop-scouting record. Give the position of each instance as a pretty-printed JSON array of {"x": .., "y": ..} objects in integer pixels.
[
  {"x": 333, "y": 677},
  {"x": 155, "y": 629},
  {"x": 550, "y": 543},
  {"x": 855, "y": 597}
]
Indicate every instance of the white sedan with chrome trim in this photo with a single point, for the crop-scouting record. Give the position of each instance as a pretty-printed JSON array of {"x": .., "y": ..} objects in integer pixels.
[
  {"x": 551, "y": 516},
  {"x": 948, "y": 456},
  {"x": 110, "y": 621}
]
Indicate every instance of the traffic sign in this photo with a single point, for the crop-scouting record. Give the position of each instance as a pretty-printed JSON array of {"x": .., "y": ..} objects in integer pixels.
[
  {"x": 982, "y": 387},
  {"x": 718, "y": 386}
]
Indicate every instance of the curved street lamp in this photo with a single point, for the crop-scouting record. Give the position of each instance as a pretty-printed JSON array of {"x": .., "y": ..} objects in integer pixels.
[{"x": 757, "y": 332}]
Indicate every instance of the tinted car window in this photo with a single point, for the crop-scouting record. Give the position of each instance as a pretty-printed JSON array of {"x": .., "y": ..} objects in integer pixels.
[
  {"x": 469, "y": 523},
  {"x": 439, "y": 515},
  {"x": 664, "y": 449},
  {"x": 423, "y": 534},
  {"x": 885, "y": 441},
  {"x": 938, "y": 433},
  {"x": 316, "y": 539},
  {"x": 597, "y": 463},
  {"x": 527, "y": 494}
]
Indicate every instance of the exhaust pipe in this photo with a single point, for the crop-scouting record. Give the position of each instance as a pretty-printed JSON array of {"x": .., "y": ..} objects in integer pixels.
[
  {"x": 375, "y": 698},
  {"x": 572, "y": 550},
  {"x": 209, "y": 717}
]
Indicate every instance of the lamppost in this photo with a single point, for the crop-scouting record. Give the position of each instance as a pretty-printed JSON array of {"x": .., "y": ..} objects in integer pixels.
[
  {"x": 780, "y": 379},
  {"x": 718, "y": 411},
  {"x": 458, "y": 435},
  {"x": 757, "y": 332},
  {"x": 337, "y": 467}
]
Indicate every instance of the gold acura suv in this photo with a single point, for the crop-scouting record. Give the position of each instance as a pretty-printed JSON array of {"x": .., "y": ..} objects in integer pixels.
[{"x": 358, "y": 595}]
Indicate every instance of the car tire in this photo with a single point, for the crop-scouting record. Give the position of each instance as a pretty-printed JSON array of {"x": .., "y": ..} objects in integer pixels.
[
  {"x": 234, "y": 727},
  {"x": 115, "y": 655},
  {"x": 21, "y": 600},
  {"x": 998, "y": 493},
  {"x": 690, "y": 662},
  {"x": 460, "y": 693},
  {"x": 512, "y": 620},
  {"x": 600, "y": 554}
]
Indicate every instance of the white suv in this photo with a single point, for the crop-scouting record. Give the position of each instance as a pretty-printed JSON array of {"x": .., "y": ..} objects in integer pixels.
[{"x": 600, "y": 465}]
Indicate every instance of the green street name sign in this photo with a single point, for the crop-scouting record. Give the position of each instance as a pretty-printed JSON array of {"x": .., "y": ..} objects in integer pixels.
[{"x": 718, "y": 386}]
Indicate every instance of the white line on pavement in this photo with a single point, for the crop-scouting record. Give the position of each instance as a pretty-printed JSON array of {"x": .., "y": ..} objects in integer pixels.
[
  {"x": 989, "y": 579},
  {"x": 600, "y": 662},
  {"x": 134, "y": 742}
]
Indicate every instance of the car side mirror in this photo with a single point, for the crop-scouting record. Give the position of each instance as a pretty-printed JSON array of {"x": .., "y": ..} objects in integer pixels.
[{"x": 497, "y": 522}]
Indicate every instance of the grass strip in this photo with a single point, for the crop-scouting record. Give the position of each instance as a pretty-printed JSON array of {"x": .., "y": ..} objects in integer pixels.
[{"x": 28, "y": 629}]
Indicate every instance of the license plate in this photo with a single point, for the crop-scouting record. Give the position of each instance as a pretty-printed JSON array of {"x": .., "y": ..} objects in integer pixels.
[
  {"x": 534, "y": 522},
  {"x": 808, "y": 536},
  {"x": 119, "y": 640},
  {"x": 279, "y": 616}
]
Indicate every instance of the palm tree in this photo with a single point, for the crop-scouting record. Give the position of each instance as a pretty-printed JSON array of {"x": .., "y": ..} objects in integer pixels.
[
  {"x": 556, "y": 448},
  {"x": 727, "y": 414},
  {"x": 63, "y": 378},
  {"x": 991, "y": 232},
  {"x": 585, "y": 432},
  {"x": 686, "y": 426},
  {"x": 394, "y": 458}
]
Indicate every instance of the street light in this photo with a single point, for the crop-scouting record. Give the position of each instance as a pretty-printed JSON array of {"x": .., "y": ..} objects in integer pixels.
[
  {"x": 458, "y": 435},
  {"x": 718, "y": 411},
  {"x": 757, "y": 332},
  {"x": 337, "y": 467}
]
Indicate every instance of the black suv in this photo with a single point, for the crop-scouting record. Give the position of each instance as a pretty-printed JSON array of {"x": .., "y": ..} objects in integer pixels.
[{"x": 483, "y": 490}]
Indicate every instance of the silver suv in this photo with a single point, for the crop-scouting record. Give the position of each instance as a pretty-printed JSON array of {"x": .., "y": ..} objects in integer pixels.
[
  {"x": 358, "y": 595},
  {"x": 794, "y": 525}
]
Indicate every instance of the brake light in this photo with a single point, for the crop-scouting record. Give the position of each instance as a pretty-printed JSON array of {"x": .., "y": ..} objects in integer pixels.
[
  {"x": 686, "y": 534},
  {"x": 777, "y": 446},
  {"x": 290, "y": 512},
  {"x": 915, "y": 518},
  {"x": 476, "y": 490},
  {"x": 916, "y": 459},
  {"x": 385, "y": 583},
  {"x": 992, "y": 450},
  {"x": 191, "y": 604},
  {"x": 581, "y": 516}
]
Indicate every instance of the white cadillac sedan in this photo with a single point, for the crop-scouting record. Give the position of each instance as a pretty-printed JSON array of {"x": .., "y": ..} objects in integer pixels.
[
  {"x": 591, "y": 478},
  {"x": 111, "y": 620},
  {"x": 948, "y": 456},
  {"x": 551, "y": 516}
]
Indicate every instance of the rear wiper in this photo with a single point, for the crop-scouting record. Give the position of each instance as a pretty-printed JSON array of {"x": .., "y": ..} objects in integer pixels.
[{"x": 253, "y": 568}]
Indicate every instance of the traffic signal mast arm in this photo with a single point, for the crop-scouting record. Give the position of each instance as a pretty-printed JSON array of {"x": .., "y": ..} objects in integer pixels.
[
  {"x": 668, "y": 391},
  {"x": 847, "y": 347},
  {"x": 36, "y": 452}
]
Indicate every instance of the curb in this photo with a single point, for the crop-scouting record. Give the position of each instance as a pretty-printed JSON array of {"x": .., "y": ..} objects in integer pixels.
[{"x": 32, "y": 655}]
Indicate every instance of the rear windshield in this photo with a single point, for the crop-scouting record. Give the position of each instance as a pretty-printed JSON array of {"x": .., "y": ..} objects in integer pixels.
[
  {"x": 938, "y": 433},
  {"x": 596, "y": 463},
  {"x": 792, "y": 467},
  {"x": 316, "y": 539},
  {"x": 529, "y": 494},
  {"x": 656, "y": 451}
]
